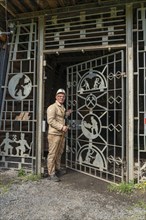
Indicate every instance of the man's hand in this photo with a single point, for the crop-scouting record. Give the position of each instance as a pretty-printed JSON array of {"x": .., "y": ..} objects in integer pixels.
[
  {"x": 68, "y": 112},
  {"x": 65, "y": 128}
]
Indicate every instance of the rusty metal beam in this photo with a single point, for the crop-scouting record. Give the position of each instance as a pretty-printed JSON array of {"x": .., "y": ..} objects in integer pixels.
[
  {"x": 83, "y": 49},
  {"x": 19, "y": 6},
  {"x": 61, "y": 2},
  {"x": 42, "y": 4},
  {"x": 30, "y": 5},
  {"x": 54, "y": 10},
  {"x": 52, "y": 4},
  {"x": 7, "y": 9}
]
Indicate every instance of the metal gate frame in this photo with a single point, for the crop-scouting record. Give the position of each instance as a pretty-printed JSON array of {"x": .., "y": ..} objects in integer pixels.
[
  {"x": 140, "y": 75},
  {"x": 62, "y": 46},
  {"x": 18, "y": 115},
  {"x": 95, "y": 93},
  {"x": 56, "y": 41}
]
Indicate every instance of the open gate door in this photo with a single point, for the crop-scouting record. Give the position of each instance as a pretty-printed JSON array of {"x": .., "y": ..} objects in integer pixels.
[{"x": 95, "y": 141}]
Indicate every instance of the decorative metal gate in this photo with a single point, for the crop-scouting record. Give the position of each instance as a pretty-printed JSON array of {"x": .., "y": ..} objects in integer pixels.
[
  {"x": 18, "y": 117},
  {"x": 141, "y": 93},
  {"x": 95, "y": 93}
]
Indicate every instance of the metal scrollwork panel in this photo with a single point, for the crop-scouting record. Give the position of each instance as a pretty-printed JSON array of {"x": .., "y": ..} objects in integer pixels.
[
  {"x": 95, "y": 141},
  {"x": 18, "y": 111}
]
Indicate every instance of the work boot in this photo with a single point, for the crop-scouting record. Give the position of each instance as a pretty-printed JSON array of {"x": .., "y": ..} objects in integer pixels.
[
  {"x": 61, "y": 172},
  {"x": 45, "y": 175},
  {"x": 54, "y": 178}
]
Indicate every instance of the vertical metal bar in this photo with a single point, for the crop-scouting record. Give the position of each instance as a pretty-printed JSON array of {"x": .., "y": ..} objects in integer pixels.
[
  {"x": 129, "y": 94},
  {"x": 108, "y": 113},
  {"x": 16, "y": 43},
  {"x": 138, "y": 104},
  {"x": 145, "y": 98},
  {"x": 5, "y": 90},
  {"x": 30, "y": 41},
  {"x": 123, "y": 112},
  {"x": 114, "y": 110},
  {"x": 34, "y": 70},
  {"x": 39, "y": 95},
  {"x": 143, "y": 26}
]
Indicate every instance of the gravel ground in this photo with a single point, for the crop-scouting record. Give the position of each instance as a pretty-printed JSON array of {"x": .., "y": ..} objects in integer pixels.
[{"x": 76, "y": 197}]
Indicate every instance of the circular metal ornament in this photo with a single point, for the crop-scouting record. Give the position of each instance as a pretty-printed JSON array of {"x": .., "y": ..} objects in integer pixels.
[
  {"x": 19, "y": 86},
  {"x": 91, "y": 126}
]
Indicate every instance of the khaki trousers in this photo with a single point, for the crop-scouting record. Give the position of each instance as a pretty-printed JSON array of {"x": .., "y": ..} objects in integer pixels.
[{"x": 55, "y": 148}]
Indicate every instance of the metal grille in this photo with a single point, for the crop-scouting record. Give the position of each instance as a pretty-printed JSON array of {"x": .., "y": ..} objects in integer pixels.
[
  {"x": 95, "y": 142},
  {"x": 3, "y": 61},
  {"x": 90, "y": 27},
  {"x": 141, "y": 89},
  {"x": 18, "y": 120}
]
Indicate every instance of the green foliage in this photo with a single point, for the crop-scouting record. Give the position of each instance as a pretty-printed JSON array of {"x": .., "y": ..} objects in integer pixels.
[
  {"x": 30, "y": 177},
  {"x": 122, "y": 187},
  {"x": 127, "y": 187},
  {"x": 141, "y": 204},
  {"x": 141, "y": 186},
  {"x": 22, "y": 175},
  {"x": 21, "y": 172},
  {"x": 5, "y": 187}
]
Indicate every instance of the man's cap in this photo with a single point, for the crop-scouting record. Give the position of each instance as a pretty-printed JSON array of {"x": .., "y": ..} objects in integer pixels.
[{"x": 60, "y": 91}]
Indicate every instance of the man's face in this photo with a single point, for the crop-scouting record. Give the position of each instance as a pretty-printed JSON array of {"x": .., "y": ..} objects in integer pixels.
[{"x": 60, "y": 98}]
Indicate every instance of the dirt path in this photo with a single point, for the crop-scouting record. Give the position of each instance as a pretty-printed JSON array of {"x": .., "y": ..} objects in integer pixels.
[{"x": 76, "y": 197}]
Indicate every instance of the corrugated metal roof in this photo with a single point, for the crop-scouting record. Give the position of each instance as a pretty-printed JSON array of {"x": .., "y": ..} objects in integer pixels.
[{"x": 10, "y": 9}]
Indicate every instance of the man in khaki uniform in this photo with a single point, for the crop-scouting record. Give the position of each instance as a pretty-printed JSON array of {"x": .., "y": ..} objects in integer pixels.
[{"x": 56, "y": 120}]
